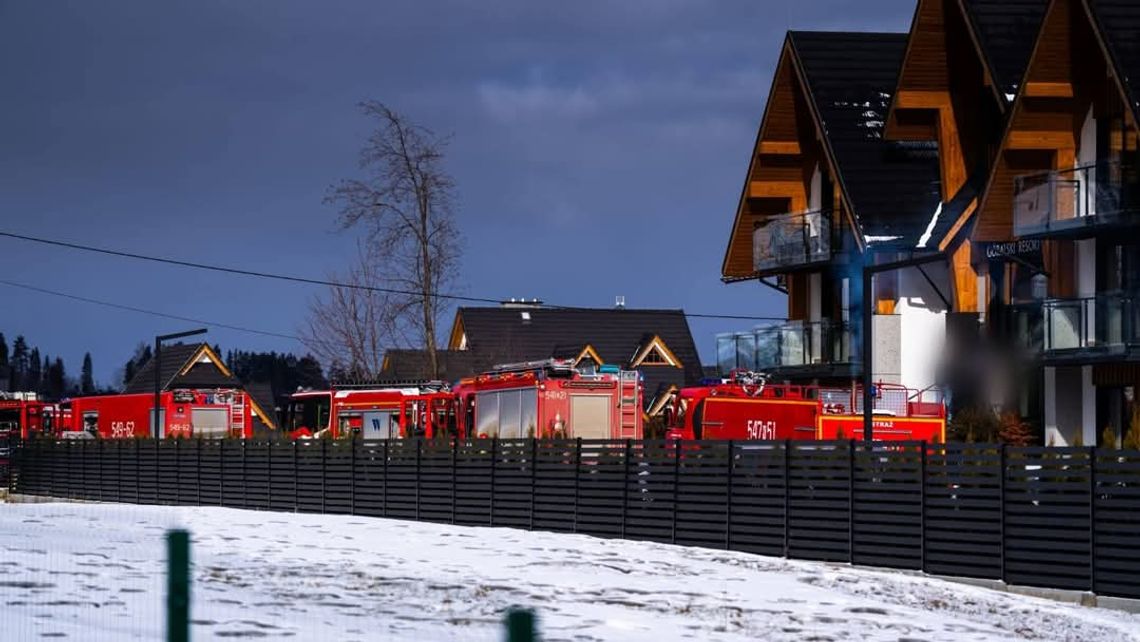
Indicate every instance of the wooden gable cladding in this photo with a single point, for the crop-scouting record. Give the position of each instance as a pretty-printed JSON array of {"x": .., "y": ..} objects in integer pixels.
[
  {"x": 1061, "y": 82},
  {"x": 944, "y": 93},
  {"x": 780, "y": 170}
]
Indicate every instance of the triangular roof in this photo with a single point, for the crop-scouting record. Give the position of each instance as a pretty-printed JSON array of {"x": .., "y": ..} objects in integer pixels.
[
  {"x": 184, "y": 365},
  {"x": 892, "y": 186},
  {"x": 846, "y": 80},
  {"x": 501, "y": 335},
  {"x": 1005, "y": 31},
  {"x": 1118, "y": 26}
]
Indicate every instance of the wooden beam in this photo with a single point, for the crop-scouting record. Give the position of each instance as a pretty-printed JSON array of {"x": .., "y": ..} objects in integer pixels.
[
  {"x": 913, "y": 99},
  {"x": 775, "y": 189},
  {"x": 1040, "y": 140},
  {"x": 782, "y": 147},
  {"x": 1049, "y": 90}
]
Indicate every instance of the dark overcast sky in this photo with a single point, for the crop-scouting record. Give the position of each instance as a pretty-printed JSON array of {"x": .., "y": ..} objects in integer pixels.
[{"x": 599, "y": 147}]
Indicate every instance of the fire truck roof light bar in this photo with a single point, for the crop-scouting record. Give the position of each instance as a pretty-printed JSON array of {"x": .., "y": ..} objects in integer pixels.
[
  {"x": 391, "y": 383},
  {"x": 557, "y": 365}
]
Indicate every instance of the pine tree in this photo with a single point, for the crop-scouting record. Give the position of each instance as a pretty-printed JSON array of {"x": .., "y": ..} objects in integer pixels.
[
  {"x": 33, "y": 379},
  {"x": 3, "y": 352},
  {"x": 87, "y": 376},
  {"x": 56, "y": 380},
  {"x": 19, "y": 364}
]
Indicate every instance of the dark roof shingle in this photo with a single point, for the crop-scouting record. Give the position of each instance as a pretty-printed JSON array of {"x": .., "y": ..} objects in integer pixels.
[
  {"x": 174, "y": 359},
  {"x": 1119, "y": 23},
  {"x": 893, "y": 186},
  {"x": 1006, "y": 31}
]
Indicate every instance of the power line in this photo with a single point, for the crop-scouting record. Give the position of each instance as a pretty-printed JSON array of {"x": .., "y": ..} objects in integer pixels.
[
  {"x": 325, "y": 282},
  {"x": 129, "y": 308}
]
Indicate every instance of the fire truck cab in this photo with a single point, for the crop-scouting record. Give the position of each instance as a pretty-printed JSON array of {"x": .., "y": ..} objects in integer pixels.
[
  {"x": 24, "y": 415},
  {"x": 551, "y": 399},
  {"x": 388, "y": 410}
]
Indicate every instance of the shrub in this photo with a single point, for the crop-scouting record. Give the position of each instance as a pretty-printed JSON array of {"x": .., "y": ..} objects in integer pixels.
[
  {"x": 1108, "y": 437},
  {"x": 974, "y": 424},
  {"x": 1132, "y": 439},
  {"x": 1015, "y": 431}
]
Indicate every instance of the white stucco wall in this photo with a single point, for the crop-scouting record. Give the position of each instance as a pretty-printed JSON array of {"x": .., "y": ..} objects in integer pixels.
[{"x": 922, "y": 325}]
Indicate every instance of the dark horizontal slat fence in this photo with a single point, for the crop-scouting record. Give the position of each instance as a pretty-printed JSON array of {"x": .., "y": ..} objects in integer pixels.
[{"x": 1052, "y": 517}]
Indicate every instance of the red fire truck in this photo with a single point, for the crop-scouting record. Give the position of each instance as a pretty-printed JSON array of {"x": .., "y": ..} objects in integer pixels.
[
  {"x": 746, "y": 406},
  {"x": 551, "y": 399},
  {"x": 24, "y": 415},
  {"x": 214, "y": 413},
  {"x": 382, "y": 410}
]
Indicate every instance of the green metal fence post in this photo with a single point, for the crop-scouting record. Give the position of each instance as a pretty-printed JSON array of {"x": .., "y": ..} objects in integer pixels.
[
  {"x": 178, "y": 586},
  {"x": 520, "y": 625}
]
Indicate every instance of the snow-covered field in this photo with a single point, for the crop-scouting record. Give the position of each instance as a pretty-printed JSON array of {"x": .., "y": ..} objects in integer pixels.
[{"x": 96, "y": 572}]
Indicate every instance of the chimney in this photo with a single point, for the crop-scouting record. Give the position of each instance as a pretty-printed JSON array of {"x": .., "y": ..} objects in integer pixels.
[{"x": 619, "y": 302}]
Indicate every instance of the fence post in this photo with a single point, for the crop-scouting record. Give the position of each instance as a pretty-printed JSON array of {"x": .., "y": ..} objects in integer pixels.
[
  {"x": 676, "y": 487},
  {"x": 533, "y": 457},
  {"x": 728, "y": 497},
  {"x": 352, "y": 477},
  {"x": 177, "y": 472},
  {"x": 491, "y": 496},
  {"x": 244, "y": 480},
  {"x": 577, "y": 477},
  {"x": 296, "y": 484},
  {"x": 178, "y": 586},
  {"x": 1001, "y": 505},
  {"x": 922, "y": 508},
  {"x": 1092, "y": 519},
  {"x": 221, "y": 472},
  {"x": 102, "y": 484},
  {"x": 138, "y": 471},
  {"x": 198, "y": 469},
  {"x": 851, "y": 501},
  {"x": 625, "y": 485},
  {"x": 268, "y": 474},
  {"x": 324, "y": 474},
  {"x": 520, "y": 626},
  {"x": 454, "y": 482},
  {"x": 384, "y": 475},
  {"x": 419, "y": 482},
  {"x": 787, "y": 492}
]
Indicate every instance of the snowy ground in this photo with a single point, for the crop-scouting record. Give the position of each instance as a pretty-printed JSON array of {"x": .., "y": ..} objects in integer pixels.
[{"x": 95, "y": 572}]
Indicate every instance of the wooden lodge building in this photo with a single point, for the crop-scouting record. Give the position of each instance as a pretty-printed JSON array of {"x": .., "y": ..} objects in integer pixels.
[{"x": 1000, "y": 136}]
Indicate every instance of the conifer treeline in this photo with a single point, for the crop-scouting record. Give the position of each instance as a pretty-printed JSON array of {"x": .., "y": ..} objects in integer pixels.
[{"x": 23, "y": 368}]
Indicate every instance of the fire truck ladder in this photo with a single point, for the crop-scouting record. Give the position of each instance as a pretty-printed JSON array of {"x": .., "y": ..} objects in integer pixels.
[
  {"x": 629, "y": 405},
  {"x": 237, "y": 414}
]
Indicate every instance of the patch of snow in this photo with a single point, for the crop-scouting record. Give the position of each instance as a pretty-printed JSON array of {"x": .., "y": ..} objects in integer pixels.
[
  {"x": 1009, "y": 97},
  {"x": 95, "y": 572},
  {"x": 925, "y": 238},
  {"x": 880, "y": 239}
]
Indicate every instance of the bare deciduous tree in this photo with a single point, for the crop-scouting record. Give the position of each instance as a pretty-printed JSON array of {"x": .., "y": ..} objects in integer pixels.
[
  {"x": 405, "y": 202},
  {"x": 349, "y": 327}
]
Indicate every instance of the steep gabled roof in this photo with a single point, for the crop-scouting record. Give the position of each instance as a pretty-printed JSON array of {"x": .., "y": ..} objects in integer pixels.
[
  {"x": 1118, "y": 22},
  {"x": 893, "y": 187},
  {"x": 184, "y": 365},
  {"x": 1005, "y": 31},
  {"x": 402, "y": 364},
  {"x": 503, "y": 335}
]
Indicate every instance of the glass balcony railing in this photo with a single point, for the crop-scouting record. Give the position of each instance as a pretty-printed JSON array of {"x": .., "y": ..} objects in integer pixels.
[
  {"x": 790, "y": 345},
  {"x": 791, "y": 240},
  {"x": 1107, "y": 322},
  {"x": 1072, "y": 201}
]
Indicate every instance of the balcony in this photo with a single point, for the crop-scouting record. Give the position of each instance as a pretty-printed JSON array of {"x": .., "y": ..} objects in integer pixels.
[
  {"x": 798, "y": 346},
  {"x": 1105, "y": 327},
  {"x": 1076, "y": 202},
  {"x": 791, "y": 241}
]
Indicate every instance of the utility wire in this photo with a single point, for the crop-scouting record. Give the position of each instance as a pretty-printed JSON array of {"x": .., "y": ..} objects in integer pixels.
[
  {"x": 324, "y": 282},
  {"x": 129, "y": 308}
]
